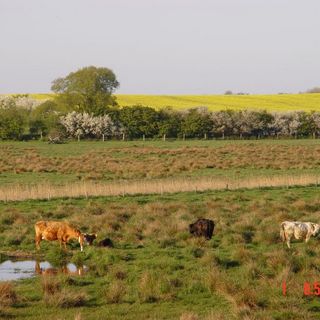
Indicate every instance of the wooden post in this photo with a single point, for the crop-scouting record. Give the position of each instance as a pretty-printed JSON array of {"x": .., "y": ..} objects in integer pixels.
[
  {"x": 143, "y": 137},
  {"x": 103, "y": 137},
  {"x": 205, "y": 136},
  {"x": 123, "y": 136},
  {"x": 78, "y": 137},
  {"x": 164, "y": 137}
]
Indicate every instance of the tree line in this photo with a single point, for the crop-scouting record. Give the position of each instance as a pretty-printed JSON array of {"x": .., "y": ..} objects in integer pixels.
[
  {"x": 84, "y": 107},
  {"x": 32, "y": 121}
]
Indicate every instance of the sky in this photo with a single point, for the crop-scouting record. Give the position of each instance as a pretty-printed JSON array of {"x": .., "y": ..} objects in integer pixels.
[{"x": 163, "y": 46}]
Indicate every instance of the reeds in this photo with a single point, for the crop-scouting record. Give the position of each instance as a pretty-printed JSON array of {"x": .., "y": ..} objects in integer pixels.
[
  {"x": 8, "y": 296},
  {"x": 155, "y": 186}
]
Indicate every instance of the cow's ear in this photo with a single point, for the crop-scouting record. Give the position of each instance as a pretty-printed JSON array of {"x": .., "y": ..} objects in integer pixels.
[{"x": 313, "y": 226}]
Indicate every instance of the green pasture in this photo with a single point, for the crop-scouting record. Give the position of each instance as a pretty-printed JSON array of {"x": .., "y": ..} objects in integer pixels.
[
  {"x": 236, "y": 275},
  {"x": 184, "y": 154}
]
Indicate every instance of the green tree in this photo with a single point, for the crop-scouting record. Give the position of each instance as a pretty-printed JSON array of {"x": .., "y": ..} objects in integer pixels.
[
  {"x": 45, "y": 118},
  {"x": 196, "y": 123},
  {"x": 139, "y": 121},
  {"x": 12, "y": 123},
  {"x": 87, "y": 90},
  {"x": 169, "y": 123}
]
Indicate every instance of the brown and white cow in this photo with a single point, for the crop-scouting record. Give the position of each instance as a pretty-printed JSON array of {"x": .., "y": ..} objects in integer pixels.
[
  {"x": 299, "y": 230},
  {"x": 56, "y": 230}
]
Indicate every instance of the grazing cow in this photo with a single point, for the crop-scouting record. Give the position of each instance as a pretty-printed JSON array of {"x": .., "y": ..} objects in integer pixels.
[
  {"x": 90, "y": 237},
  {"x": 202, "y": 227},
  {"x": 106, "y": 243},
  {"x": 56, "y": 230},
  {"x": 299, "y": 230}
]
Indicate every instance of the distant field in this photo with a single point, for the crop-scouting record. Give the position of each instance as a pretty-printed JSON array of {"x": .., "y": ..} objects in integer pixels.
[
  {"x": 283, "y": 102},
  {"x": 37, "y": 162},
  {"x": 276, "y": 102}
]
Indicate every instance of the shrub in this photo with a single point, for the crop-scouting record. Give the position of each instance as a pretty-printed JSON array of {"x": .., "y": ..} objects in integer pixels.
[
  {"x": 115, "y": 292},
  {"x": 50, "y": 285},
  {"x": 8, "y": 296},
  {"x": 148, "y": 289},
  {"x": 66, "y": 299}
]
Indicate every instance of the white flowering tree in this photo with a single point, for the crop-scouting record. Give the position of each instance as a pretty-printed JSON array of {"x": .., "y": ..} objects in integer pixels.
[
  {"x": 83, "y": 124},
  {"x": 243, "y": 122},
  {"x": 314, "y": 120},
  {"x": 102, "y": 126},
  {"x": 72, "y": 123},
  {"x": 222, "y": 122}
]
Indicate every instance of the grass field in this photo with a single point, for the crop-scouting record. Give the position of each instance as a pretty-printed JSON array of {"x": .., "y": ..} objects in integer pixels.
[
  {"x": 271, "y": 102},
  {"x": 156, "y": 269},
  {"x": 34, "y": 162}
]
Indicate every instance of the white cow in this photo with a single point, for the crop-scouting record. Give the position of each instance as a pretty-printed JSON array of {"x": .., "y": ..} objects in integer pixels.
[{"x": 299, "y": 230}]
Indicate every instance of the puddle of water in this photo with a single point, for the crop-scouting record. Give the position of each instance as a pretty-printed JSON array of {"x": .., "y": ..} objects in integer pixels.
[{"x": 15, "y": 270}]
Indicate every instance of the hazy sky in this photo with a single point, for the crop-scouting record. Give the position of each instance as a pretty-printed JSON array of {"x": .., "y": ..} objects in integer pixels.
[{"x": 163, "y": 46}]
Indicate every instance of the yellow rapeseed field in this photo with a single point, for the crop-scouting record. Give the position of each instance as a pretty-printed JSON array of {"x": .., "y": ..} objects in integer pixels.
[
  {"x": 276, "y": 102},
  {"x": 270, "y": 102}
]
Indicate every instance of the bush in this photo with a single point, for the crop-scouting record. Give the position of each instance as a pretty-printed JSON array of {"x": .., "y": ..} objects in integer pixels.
[
  {"x": 8, "y": 296},
  {"x": 66, "y": 299},
  {"x": 148, "y": 290},
  {"x": 115, "y": 292}
]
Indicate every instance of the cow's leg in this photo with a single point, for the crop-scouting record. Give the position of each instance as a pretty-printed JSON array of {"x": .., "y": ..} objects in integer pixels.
[
  {"x": 308, "y": 238},
  {"x": 37, "y": 241},
  {"x": 288, "y": 241}
]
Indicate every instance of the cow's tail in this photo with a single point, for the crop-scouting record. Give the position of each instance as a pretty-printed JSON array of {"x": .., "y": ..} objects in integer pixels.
[{"x": 282, "y": 233}]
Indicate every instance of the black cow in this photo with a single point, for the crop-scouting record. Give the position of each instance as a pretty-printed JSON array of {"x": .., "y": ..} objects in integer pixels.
[
  {"x": 202, "y": 228},
  {"x": 106, "y": 243}
]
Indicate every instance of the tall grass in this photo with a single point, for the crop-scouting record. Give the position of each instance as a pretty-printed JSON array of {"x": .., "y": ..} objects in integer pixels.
[
  {"x": 8, "y": 295},
  {"x": 157, "y": 186}
]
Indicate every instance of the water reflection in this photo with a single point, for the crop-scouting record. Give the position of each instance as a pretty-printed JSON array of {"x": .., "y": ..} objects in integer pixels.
[
  {"x": 15, "y": 270},
  {"x": 69, "y": 269}
]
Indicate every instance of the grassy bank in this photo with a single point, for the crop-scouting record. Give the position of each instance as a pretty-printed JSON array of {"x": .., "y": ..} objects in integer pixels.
[{"x": 157, "y": 271}]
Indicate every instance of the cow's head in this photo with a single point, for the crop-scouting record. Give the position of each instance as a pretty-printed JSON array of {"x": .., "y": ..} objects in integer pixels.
[
  {"x": 90, "y": 237},
  {"x": 315, "y": 228}
]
